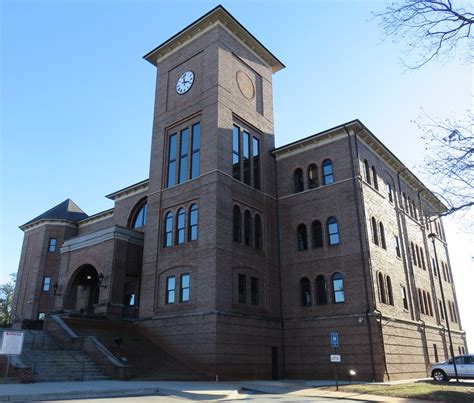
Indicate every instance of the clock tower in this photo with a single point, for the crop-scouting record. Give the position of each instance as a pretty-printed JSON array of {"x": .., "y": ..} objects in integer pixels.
[{"x": 210, "y": 282}]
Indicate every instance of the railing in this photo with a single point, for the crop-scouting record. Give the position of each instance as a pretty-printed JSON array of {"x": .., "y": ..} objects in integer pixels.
[{"x": 54, "y": 343}]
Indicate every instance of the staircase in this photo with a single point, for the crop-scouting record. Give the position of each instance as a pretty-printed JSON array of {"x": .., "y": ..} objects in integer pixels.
[{"x": 52, "y": 362}]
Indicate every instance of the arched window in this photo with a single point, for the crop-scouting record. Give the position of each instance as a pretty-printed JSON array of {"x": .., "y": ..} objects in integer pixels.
[
  {"x": 375, "y": 237},
  {"x": 258, "y": 232},
  {"x": 374, "y": 177},
  {"x": 328, "y": 174},
  {"x": 180, "y": 226},
  {"x": 338, "y": 288},
  {"x": 382, "y": 236},
  {"x": 321, "y": 290},
  {"x": 193, "y": 223},
  {"x": 389, "y": 291},
  {"x": 302, "y": 237},
  {"x": 313, "y": 181},
  {"x": 168, "y": 235},
  {"x": 298, "y": 180},
  {"x": 383, "y": 299},
  {"x": 333, "y": 231},
  {"x": 247, "y": 228},
  {"x": 237, "y": 224},
  {"x": 317, "y": 230},
  {"x": 305, "y": 289},
  {"x": 367, "y": 171},
  {"x": 139, "y": 220}
]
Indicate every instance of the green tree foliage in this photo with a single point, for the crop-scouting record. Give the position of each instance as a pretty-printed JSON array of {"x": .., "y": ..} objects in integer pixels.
[{"x": 6, "y": 299}]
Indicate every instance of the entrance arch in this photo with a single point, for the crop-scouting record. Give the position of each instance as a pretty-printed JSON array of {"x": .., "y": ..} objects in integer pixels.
[{"x": 83, "y": 290}]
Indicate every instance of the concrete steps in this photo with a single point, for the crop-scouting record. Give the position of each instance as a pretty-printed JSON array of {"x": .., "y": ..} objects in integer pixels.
[{"x": 51, "y": 362}]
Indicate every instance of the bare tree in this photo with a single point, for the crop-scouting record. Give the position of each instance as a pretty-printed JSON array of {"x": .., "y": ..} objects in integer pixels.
[
  {"x": 431, "y": 28},
  {"x": 450, "y": 160}
]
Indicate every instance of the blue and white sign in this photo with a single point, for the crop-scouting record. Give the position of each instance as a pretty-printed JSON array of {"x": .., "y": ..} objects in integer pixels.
[{"x": 334, "y": 340}]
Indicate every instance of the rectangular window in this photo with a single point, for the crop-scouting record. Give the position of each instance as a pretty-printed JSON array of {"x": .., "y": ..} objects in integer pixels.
[
  {"x": 172, "y": 151},
  {"x": 170, "y": 289},
  {"x": 246, "y": 155},
  {"x": 236, "y": 153},
  {"x": 183, "y": 156},
  {"x": 254, "y": 290},
  {"x": 435, "y": 349},
  {"x": 52, "y": 245},
  {"x": 403, "y": 291},
  {"x": 242, "y": 289},
  {"x": 441, "y": 310},
  {"x": 46, "y": 283},
  {"x": 397, "y": 246},
  {"x": 184, "y": 292},
  {"x": 195, "y": 150},
  {"x": 256, "y": 162}
]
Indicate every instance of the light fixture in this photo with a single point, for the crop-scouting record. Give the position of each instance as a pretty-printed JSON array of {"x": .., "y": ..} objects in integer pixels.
[
  {"x": 88, "y": 277},
  {"x": 55, "y": 289},
  {"x": 100, "y": 278},
  {"x": 352, "y": 373}
]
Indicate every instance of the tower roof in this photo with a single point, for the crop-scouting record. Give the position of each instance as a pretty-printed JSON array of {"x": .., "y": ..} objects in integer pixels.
[
  {"x": 218, "y": 15},
  {"x": 67, "y": 210}
]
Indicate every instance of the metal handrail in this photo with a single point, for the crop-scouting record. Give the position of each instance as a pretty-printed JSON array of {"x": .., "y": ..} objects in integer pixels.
[{"x": 57, "y": 341}]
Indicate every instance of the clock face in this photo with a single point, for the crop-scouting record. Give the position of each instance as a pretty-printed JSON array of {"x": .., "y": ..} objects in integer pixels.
[{"x": 185, "y": 82}]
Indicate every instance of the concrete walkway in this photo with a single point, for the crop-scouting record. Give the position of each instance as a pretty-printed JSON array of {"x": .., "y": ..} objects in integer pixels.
[{"x": 201, "y": 391}]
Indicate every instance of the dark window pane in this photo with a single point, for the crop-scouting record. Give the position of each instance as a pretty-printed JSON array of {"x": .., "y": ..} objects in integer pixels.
[
  {"x": 246, "y": 155},
  {"x": 236, "y": 152},
  {"x": 298, "y": 180},
  {"x": 317, "y": 234},
  {"x": 195, "y": 151},
  {"x": 367, "y": 171},
  {"x": 180, "y": 225},
  {"x": 242, "y": 289},
  {"x": 302, "y": 237},
  {"x": 168, "y": 238},
  {"x": 258, "y": 232},
  {"x": 237, "y": 224},
  {"x": 313, "y": 181},
  {"x": 321, "y": 290},
  {"x": 305, "y": 290},
  {"x": 328, "y": 176},
  {"x": 183, "y": 159},
  {"x": 254, "y": 290},
  {"x": 247, "y": 228},
  {"x": 256, "y": 163},
  {"x": 193, "y": 223},
  {"x": 172, "y": 160}
]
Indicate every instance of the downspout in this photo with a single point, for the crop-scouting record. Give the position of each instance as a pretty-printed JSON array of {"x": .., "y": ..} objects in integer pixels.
[
  {"x": 361, "y": 247},
  {"x": 383, "y": 344},
  {"x": 279, "y": 271}
]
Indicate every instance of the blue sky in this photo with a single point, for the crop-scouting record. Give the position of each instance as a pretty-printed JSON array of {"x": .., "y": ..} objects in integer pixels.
[{"x": 77, "y": 97}]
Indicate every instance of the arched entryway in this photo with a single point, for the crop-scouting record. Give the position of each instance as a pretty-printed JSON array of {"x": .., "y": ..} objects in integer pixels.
[{"x": 83, "y": 290}]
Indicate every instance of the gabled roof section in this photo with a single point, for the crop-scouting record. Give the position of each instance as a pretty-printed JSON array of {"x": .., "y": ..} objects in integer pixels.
[
  {"x": 129, "y": 190},
  {"x": 218, "y": 15},
  {"x": 67, "y": 210}
]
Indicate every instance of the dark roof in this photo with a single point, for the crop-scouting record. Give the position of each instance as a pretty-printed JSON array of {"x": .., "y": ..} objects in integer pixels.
[{"x": 67, "y": 210}]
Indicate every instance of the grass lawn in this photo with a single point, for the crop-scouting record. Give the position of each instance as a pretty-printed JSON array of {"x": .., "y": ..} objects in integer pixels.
[{"x": 425, "y": 390}]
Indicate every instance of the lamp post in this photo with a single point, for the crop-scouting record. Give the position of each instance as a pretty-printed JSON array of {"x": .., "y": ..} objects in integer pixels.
[{"x": 432, "y": 236}]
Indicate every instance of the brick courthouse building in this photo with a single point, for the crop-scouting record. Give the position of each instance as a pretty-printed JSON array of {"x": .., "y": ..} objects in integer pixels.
[{"x": 240, "y": 257}]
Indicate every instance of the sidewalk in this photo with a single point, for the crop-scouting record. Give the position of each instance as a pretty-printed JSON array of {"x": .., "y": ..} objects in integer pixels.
[{"x": 187, "y": 390}]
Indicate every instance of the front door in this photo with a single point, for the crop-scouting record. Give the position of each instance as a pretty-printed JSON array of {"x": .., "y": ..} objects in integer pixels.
[{"x": 275, "y": 363}]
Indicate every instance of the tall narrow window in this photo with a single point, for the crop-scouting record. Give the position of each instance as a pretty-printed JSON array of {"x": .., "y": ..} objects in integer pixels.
[
  {"x": 168, "y": 238},
  {"x": 305, "y": 291},
  {"x": 375, "y": 236},
  {"x": 390, "y": 192},
  {"x": 170, "y": 289},
  {"x": 333, "y": 231},
  {"x": 389, "y": 291},
  {"x": 425, "y": 302},
  {"x": 237, "y": 224},
  {"x": 338, "y": 288},
  {"x": 317, "y": 230},
  {"x": 367, "y": 171},
  {"x": 441, "y": 309},
  {"x": 413, "y": 254},
  {"x": 184, "y": 290},
  {"x": 435, "y": 350},
  {"x": 298, "y": 180},
  {"x": 193, "y": 223},
  {"x": 328, "y": 175},
  {"x": 430, "y": 306},
  {"x": 195, "y": 151},
  {"x": 258, "y": 232},
  {"x": 403, "y": 291},
  {"x": 180, "y": 226},
  {"x": 382, "y": 236},
  {"x": 254, "y": 290},
  {"x": 382, "y": 296},
  {"x": 256, "y": 162},
  {"x": 247, "y": 228},
  {"x": 52, "y": 244},
  {"x": 397, "y": 246},
  {"x": 321, "y": 290},
  {"x": 418, "y": 259},
  {"x": 246, "y": 155},
  {"x": 140, "y": 217},
  {"x": 375, "y": 179},
  {"x": 242, "y": 289},
  {"x": 172, "y": 151},
  {"x": 183, "y": 156},
  {"x": 313, "y": 181},
  {"x": 302, "y": 237},
  {"x": 422, "y": 258},
  {"x": 420, "y": 300},
  {"x": 236, "y": 152},
  {"x": 433, "y": 266},
  {"x": 46, "y": 283}
]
